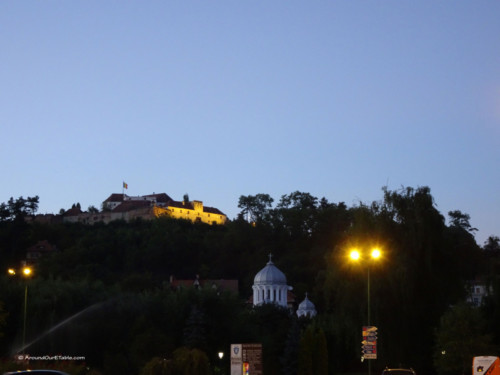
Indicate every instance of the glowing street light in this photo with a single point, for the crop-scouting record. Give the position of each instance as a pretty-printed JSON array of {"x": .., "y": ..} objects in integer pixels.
[
  {"x": 354, "y": 254},
  {"x": 374, "y": 255},
  {"x": 220, "y": 370},
  {"x": 26, "y": 273}
]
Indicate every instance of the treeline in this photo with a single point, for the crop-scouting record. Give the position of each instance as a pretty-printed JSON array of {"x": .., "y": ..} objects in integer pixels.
[{"x": 112, "y": 284}]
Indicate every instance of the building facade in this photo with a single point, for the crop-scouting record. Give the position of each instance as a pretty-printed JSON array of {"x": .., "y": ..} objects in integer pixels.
[
  {"x": 146, "y": 207},
  {"x": 193, "y": 210}
]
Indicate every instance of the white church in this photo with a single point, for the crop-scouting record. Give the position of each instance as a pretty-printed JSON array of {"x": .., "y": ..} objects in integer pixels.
[{"x": 270, "y": 286}]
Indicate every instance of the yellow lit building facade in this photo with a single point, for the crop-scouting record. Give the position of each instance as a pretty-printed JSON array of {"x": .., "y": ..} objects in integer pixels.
[{"x": 193, "y": 210}]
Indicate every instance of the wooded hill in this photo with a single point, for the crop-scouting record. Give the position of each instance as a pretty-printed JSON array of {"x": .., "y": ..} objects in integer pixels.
[{"x": 115, "y": 277}]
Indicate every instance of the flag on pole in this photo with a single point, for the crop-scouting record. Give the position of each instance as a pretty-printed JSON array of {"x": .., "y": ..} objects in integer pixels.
[{"x": 125, "y": 185}]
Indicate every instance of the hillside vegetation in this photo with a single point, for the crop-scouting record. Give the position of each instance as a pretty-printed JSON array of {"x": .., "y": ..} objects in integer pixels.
[{"x": 112, "y": 283}]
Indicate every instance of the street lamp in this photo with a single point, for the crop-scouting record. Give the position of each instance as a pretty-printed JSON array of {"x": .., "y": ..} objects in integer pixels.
[
  {"x": 374, "y": 255},
  {"x": 221, "y": 367},
  {"x": 26, "y": 273}
]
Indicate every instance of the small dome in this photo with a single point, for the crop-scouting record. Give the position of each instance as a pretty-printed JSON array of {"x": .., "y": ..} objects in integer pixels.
[
  {"x": 306, "y": 307},
  {"x": 270, "y": 274}
]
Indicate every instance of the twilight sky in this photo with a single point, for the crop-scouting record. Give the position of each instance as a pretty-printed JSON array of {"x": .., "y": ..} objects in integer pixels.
[{"x": 219, "y": 99}]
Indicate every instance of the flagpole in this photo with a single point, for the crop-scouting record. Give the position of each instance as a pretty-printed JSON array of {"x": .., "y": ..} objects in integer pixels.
[{"x": 124, "y": 186}]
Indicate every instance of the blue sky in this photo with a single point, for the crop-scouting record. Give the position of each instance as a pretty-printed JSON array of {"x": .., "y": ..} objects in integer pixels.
[{"x": 219, "y": 99}]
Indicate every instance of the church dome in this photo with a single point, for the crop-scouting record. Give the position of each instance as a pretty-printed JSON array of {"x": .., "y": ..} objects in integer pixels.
[
  {"x": 306, "y": 308},
  {"x": 270, "y": 274}
]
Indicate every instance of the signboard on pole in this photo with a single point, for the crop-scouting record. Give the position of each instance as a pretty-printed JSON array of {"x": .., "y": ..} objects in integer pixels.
[
  {"x": 246, "y": 359},
  {"x": 369, "y": 343}
]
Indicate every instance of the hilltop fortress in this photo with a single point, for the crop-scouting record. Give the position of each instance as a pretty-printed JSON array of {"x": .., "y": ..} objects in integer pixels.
[{"x": 147, "y": 207}]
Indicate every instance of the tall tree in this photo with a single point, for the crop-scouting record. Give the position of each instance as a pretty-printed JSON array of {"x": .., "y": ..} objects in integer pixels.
[
  {"x": 19, "y": 208},
  {"x": 461, "y": 220},
  {"x": 195, "y": 330},
  {"x": 254, "y": 207},
  {"x": 460, "y": 336}
]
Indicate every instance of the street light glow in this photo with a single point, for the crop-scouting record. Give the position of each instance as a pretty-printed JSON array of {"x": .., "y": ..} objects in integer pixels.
[
  {"x": 11, "y": 271},
  {"x": 354, "y": 254},
  {"x": 27, "y": 271},
  {"x": 374, "y": 253}
]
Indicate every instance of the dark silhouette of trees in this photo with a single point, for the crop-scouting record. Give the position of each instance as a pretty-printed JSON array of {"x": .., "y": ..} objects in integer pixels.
[
  {"x": 461, "y": 335},
  {"x": 254, "y": 208},
  {"x": 19, "y": 208},
  {"x": 122, "y": 270}
]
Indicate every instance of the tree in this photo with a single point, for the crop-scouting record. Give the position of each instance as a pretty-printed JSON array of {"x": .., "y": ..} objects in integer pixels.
[
  {"x": 313, "y": 353},
  {"x": 195, "y": 330},
  {"x": 492, "y": 245},
  {"x": 254, "y": 207},
  {"x": 3, "y": 319},
  {"x": 305, "y": 365},
  {"x": 461, "y": 220},
  {"x": 297, "y": 213},
  {"x": 320, "y": 353},
  {"x": 460, "y": 336},
  {"x": 18, "y": 209},
  {"x": 191, "y": 362},
  {"x": 289, "y": 358},
  {"x": 158, "y": 366}
]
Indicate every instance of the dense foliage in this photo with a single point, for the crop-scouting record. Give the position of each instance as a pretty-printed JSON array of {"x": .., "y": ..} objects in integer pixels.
[{"x": 105, "y": 294}]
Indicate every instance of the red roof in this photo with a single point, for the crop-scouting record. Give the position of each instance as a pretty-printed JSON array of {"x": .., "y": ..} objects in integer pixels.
[
  {"x": 73, "y": 211},
  {"x": 161, "y": 198},
  {"x": 221, "y": 284},
  {"x": 131, "y": 205},
  {"x": 114, "y": 198}
]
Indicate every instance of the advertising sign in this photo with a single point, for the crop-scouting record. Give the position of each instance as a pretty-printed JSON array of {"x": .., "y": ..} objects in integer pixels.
[
  {"x": 246, "y": 359},
  {"x": 369, "y": 343},
  {"x": 486, "y": 365}
]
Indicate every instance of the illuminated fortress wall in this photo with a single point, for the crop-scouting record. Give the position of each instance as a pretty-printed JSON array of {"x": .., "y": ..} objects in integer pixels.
[{"x": 193, "y": 211}]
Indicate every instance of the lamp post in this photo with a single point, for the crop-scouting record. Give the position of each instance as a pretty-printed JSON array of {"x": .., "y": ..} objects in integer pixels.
[
  {"x": 374, "y": 255},
  {"x": 221, "y": 368},
  {"x": 26, "y": 272}
]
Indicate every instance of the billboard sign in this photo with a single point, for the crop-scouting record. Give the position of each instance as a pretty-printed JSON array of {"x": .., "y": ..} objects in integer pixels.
[
  {"x": 369, "y": 343},
  {"x": 246, "y": 359}
]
